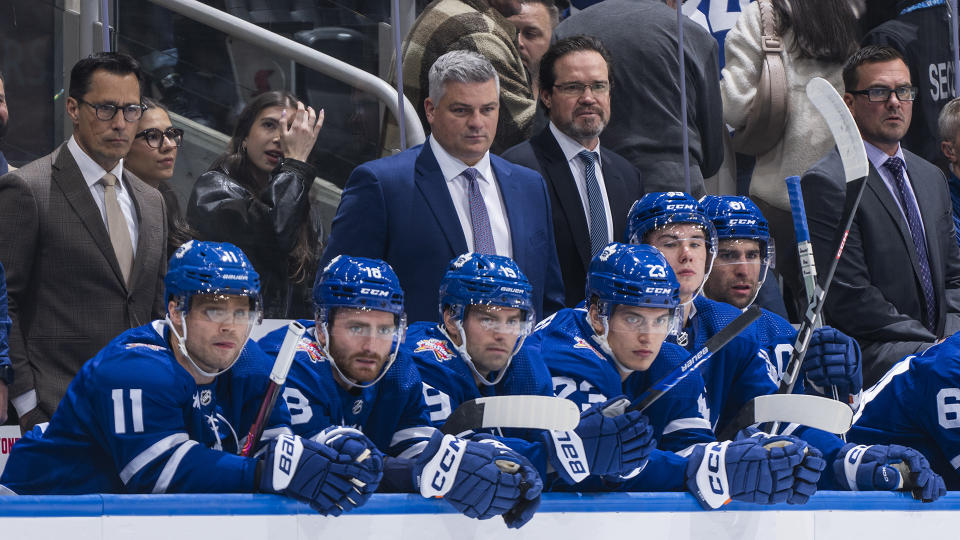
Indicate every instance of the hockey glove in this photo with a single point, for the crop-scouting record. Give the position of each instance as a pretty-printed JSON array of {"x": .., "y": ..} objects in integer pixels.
[
  {"x": 352, "y": 446},
  {"x": 806, "y": 474},
  {"x": 758, "y": 469},
  {"x": 330, "y": 482},
  {"x": 882, "y": 467},
  {"x": 530, "y": 486},
  {"x": 833, "y": 359},
  {"x": 607, "y": 441},
  {"x": 474, "y": 478}
]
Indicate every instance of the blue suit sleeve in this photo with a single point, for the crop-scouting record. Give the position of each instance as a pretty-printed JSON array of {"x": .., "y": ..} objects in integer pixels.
[{"x": 360, "y": 225}]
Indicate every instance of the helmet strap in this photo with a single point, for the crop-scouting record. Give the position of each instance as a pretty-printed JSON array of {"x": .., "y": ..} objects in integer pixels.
[
  {"x": 351, "y": 383},
  {"x": 604, "y": 344},
  {"x": 182, "y": 346}
]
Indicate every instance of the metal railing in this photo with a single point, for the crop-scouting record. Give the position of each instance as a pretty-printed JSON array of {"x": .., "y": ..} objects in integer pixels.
[{"x": 303, "y": 55}]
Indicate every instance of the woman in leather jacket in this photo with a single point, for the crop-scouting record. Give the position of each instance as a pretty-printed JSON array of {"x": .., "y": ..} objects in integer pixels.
[{"x": 257, "y": 197}]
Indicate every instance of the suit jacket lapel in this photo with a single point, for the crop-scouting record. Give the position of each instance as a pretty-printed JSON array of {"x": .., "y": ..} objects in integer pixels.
[
  {"x": 876, "y": 184},
  {"x": 924, "y": 190},
  {"x": 67, "y": 175},
  {"x": 514, "y": 204},
  {"x": 429, "y": 180},
  {"x": 620, "y": 202},
  {"x": 147, "y": 224},
  {"x": 557, "y": 174}
]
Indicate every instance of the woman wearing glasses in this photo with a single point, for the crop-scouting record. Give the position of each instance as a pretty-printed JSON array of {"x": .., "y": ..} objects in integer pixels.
[
  {"x": 257, "y": 197},
  {"x": 152, "y": 157}
]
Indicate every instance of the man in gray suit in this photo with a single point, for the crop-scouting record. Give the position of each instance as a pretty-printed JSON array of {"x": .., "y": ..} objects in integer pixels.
[
  {"x": 897, "y": 286},
  {"x": 82, "y": 241}
]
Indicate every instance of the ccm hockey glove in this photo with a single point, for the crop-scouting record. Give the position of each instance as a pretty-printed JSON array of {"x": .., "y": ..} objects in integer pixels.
[{"x": 887, "y": 467}]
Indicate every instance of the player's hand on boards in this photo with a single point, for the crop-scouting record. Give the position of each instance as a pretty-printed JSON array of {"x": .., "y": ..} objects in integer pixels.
[
  {"x": 833, "y": 359},
  {"x": 481, "y": 479},
  {"x": 887, "y": 467},
  {"x": 313, "y": 473},
  {"x": 606, "y": 442},
  {"x": 759, "y": 469},
  {"x": 353, "y": 446}
]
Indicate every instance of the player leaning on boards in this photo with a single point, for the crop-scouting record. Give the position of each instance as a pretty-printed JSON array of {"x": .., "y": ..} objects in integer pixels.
[
  {"x": 677, "y": 224},
  {"x": 349, "y": 371},
  {"x": 157, "y": 410}
]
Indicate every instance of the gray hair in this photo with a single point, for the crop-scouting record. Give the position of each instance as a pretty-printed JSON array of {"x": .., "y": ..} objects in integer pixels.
[
  {"x": 948, "y": 124},
  {"x": 462, "y": 67},
  {"x": 552, "y": 10}
]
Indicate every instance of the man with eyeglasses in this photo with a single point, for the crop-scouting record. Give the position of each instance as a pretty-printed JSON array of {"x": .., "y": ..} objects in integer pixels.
[
  {"x": 85, "y": 251},
  {"x": 591, "y": 187},
  {"x": 897, "y": 285}
]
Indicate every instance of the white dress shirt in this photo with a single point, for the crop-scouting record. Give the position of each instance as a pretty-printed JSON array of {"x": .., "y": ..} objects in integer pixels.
[
  {"x": 92, "y": 174},
  {"x": 452, "y": 169},
  {"x": 571, "y": 149}
]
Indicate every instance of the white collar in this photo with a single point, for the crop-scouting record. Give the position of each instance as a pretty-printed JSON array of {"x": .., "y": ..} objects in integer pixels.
[
  {"x": 570, "y": 146},
  {"x": 91, "y": 171},
  {"x": 452, "y": 167}
]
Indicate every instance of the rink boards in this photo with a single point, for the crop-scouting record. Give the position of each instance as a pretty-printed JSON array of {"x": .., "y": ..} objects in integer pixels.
[{"x": 848, "y": 516}]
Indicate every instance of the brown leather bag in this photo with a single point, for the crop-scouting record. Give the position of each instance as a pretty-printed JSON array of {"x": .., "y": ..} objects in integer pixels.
[{"x": 768, "y": 114}]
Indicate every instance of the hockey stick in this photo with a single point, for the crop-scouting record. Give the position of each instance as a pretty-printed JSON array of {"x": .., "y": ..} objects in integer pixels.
[
  {"x": 697, "y": 359},
  {"x": 530, "y": 412},
  {"x": 278, "y": 376}
]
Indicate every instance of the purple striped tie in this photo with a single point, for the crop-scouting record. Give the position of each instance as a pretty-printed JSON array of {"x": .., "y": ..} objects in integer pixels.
[{"x": 479, "y": 220}]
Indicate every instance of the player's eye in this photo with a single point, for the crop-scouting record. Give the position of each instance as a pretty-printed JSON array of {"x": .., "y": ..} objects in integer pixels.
[
  {"x": 385, "y": 331},
  {"x": 358, "y": 330}
]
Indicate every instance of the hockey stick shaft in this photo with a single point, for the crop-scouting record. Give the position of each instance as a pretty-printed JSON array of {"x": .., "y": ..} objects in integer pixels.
[
  {"x": 714, "y": 344},
  {"x": 808, "y": 266},
  {"x": 278, "y": 376}
]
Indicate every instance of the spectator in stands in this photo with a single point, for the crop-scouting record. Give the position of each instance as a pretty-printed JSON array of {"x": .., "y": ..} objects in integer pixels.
[
  {"x": 921, "y": 32},
  {"x": 948, "y": 126},
  {"x": 84, "y": 242},
  {"x": 817, "y": 38},
  {"x": 897, "y": 285},
  {"x": 419, "y": 209},
  {"x": 6, "y": 368},
  {"x": 152, "y": 157},
  {"x": 535, "y": 24},
  {"x": 257, "y": 196},
  {"x": 475, "y": 25},
  {"x": 591, "y": 188},
  {"x": 4, "y": 117},
  {"x": 645, "y": 124}
]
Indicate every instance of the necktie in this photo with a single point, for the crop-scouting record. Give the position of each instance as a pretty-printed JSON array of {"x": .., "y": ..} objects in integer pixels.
[
  {"x": 479, "y": 220},
  {"x": 912, "y": 211},
  {"x": 117, "y": 226},
  {"x": 598, "y": 217}
]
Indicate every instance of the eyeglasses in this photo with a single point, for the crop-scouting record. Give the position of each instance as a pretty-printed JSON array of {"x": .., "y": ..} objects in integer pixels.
[
  {"x": 155, "y": 136},
  {"x": 880, "y": 94},
  {"x": 106, "y": 111},
  {"x": 573, "y": 89}
]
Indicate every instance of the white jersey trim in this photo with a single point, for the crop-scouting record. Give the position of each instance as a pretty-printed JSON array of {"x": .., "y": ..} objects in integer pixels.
[
  {"x": 686, "y": 423},
  {"x": 170, "y": 469},
  {"x": 868, "y": 395},
  {"x": 414, "y": 450},
  {"x": 150, "y": 454},
  {"x": 422, "y": 432},
  {"x": 955, "y": 462}
]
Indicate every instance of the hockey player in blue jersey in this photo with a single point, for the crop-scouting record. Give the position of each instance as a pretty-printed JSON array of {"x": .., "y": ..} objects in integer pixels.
[
  {"x": 616, "y": 345},
  {"x": 743, "y": 259},
  {"x": 349, "y": 371},
  {"x": 161, "y": 408}
]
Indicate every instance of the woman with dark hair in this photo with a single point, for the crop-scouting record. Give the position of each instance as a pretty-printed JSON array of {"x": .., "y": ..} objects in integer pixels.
[
  {"x": 817, "y": 37},
  {"x": 152, "y": 157},
  {"x": 257, "y": 197}
]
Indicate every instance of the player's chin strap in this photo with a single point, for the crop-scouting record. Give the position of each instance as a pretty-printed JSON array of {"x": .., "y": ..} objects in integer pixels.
[
  {"x": 325, "y": 347},
  {"x": 182, "y": 345},
  {"x": 462, "y": 349},
  {"x": 604, "y": 344}
]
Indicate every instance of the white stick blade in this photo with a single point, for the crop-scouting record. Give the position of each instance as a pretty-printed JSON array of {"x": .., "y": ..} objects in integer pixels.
[
  {"x": 842, "y": 125},
  {"x": 530, "y": 412},
  {"x": 813, "y": 411}
]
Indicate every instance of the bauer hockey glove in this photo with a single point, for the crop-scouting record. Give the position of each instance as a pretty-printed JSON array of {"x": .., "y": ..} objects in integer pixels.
[
  {"x": 329, "y": 481},
  {"x": 887, "y": 467},
  {"x": 759, "y": 469},
  {"x": 833, "y": 359},
  {"x": 480, "y": 479},
  {"x": 606, "y": 442}
]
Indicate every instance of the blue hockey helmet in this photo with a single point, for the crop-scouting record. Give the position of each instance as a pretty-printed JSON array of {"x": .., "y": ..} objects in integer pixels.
[
  {"x": 359, "y": 283},
  {"x": 210, "y": 268},
  {"x": 488, "y": 280},
  {"x": 737, "y": 218},
  {"x": 657, "y": 210},
  {"x": 633, "y": 275}
]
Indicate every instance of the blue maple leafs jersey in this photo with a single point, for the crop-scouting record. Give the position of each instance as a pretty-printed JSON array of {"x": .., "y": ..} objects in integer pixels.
[
  {"x": 134, "y": 421},
  {"x": 917, "y": 404},
  {"x": 391, "y": 413}
]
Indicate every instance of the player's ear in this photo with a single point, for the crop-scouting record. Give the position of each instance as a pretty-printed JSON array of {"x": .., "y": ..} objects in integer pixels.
[
  {"x": 173, "y": 312},
  {"x": 949, "y": 151},
  {"x": 450, "y": 325},
  {"x": 595, "y": 321}
]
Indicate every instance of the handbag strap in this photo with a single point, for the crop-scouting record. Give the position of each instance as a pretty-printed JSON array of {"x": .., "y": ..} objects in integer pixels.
[{"x": 772, "y": 45}]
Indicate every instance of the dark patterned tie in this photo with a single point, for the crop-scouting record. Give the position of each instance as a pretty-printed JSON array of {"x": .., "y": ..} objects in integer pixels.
[
  {"x": 912, "y": 211},
  {"x": 479, "y": 220},
  {"x": 598, "y": 217}
]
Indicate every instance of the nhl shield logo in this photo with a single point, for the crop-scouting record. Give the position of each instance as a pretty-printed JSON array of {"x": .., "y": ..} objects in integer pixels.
[
  {"x": 205, "y": 397},
  {"x": 437, "y": 346},
  {"x": 357, "y": 406}
]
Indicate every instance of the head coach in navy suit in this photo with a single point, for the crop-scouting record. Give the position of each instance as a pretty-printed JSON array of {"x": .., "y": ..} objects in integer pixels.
[
  {"x": 419, "y": 209},
  {"x": 591, "y": 188},
  {"x": 897, "y": 286}
]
